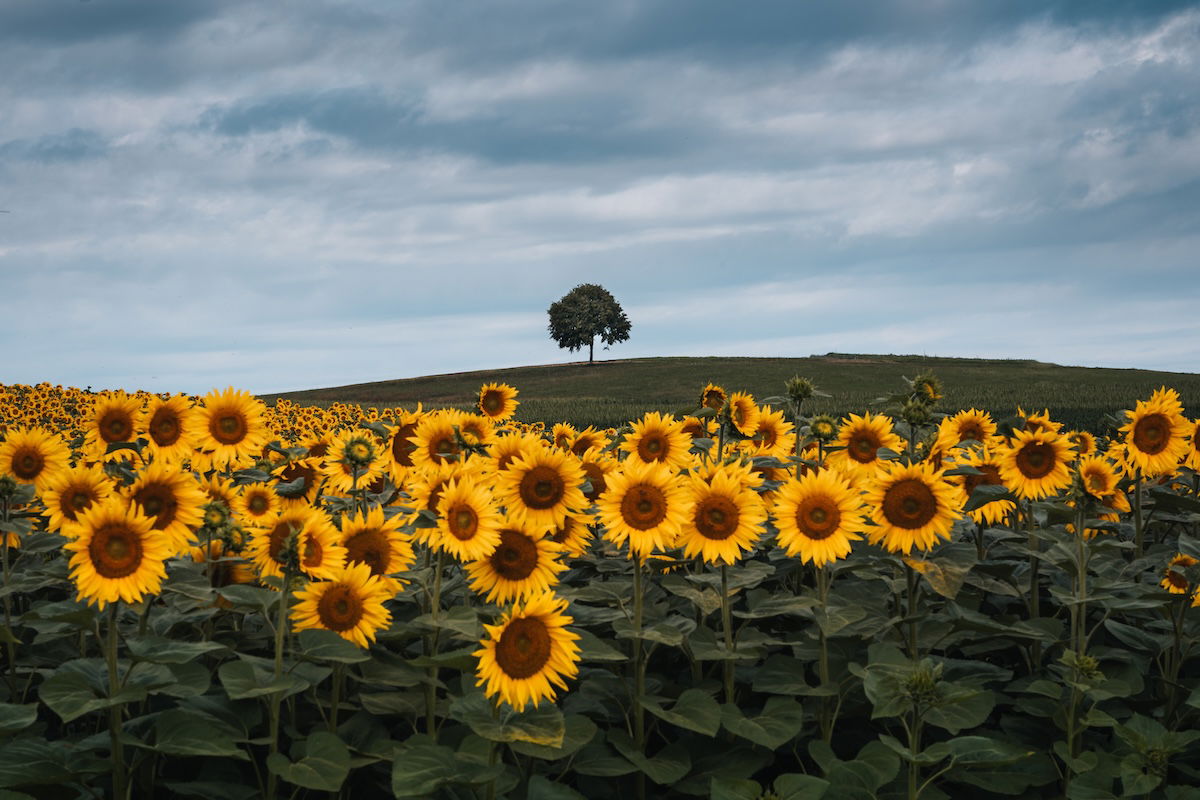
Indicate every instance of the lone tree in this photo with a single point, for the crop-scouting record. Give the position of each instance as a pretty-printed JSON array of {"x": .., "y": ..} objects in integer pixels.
[{"x": 585, "y": 312}]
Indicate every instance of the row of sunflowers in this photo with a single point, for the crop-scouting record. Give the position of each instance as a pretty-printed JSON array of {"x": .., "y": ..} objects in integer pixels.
[{"x": 388, "y": 529}]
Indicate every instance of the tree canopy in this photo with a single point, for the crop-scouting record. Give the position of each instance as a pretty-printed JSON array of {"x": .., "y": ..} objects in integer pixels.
[{"x": 586, "y": 312}]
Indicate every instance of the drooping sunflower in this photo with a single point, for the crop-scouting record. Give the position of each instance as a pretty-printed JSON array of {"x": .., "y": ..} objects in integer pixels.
[
  {"x": 350, "y": 604},
  {"x": 229, "y": 427},
  {"x": 644, "y": 506},
  {"x": 318, "y": 544},
  {"x": 528, "y": 653},
  {"x": 1034, "y": 464},
  {"x": 168, "y": 428},
  {"x": 114, "y": 421},
  {"x": 376, "y": 541},
  {"x": 1175, "y": 579},
  {"x": 861, "y": 438},
  {"x": 498, "y": 401},
  {"x": 116, "y": 555},
  {"x": 911, "y": 506},
  {"x": 743, "y": 413},
  {"x": 775, "y": 436},
  {"x": 658, "y": 438},
  {"x": 71, "y": 492},
  {"x": 818, "y": 516},
  {"x": 1156, "y": 433},
  {"x": 725, "y": 521},
  {"x": 988, "y": 464},
  {"x": 257, "y": 505},
  {"x": 33, "y": 456},
  {"x": 541, "y": 487},
  {"x": 714, "y": 397},
  {"x": 522, "y": 565},
  {"x": 171, "y": 500},
  {"x": 354, "y": 461},
  {"x": 468, "y": 522}
]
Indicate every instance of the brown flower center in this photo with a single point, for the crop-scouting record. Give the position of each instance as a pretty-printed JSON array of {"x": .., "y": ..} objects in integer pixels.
[
  {"x": 340, "y": 608},
  {"x": 371, "y": 547},
  {"x": 652, "y": 447},
  {"x": 516, "y": 557},
  {"x": 542, "y": 487},
  {"x": 27, "y": 463},
  {"x": 115, "y": 426},
  {"x": 228, "y": 426},
  {"x": 818, "y": 517},
  {"x": 990, "y": 477},
  {"x": 524, "y": 648},
  {"x": 1152, "y": 434},
  {"x": 643, "y": 507},
  {"x": 716, "y": 517},
  {"x": 909, "y": 504},
  {"x": 970, "y": 431},
  {"x": 1036, "y": 460},
  {"x": 463, "y": 522},
  {"x": 164, "y": 427},
  {"x": 258, "y": 504},
  {"x": 158, "y": 501},
  {"x": 863, "y": 446},
  {"x": 115, "y": 551},
  {"x": 402, "y": 448},
  {"x": 595, "y": 476},
  {"x": 492, "y": 403}
]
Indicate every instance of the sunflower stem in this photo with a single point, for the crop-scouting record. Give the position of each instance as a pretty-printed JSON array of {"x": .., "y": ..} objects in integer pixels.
[
  {"x": 727, "y": 627},
  {"x": 1034, "y": 584},
  {"x": 826, "y": 717},
  {"x": 1138, "y": 524},
  {"x": 435, "y": 607},
  {"x": 120, "y": 779},
  {"x": 339, "y": 675},
  {"x": 10, "y": 646},
  {"x": 277, "y": 696},
  {"x": 639, "y": 671},
  {"x": 912, "y": 587},
  {"x": 144, "y": 617}
]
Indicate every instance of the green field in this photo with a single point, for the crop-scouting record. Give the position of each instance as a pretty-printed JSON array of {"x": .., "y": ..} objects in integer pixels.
[{"x": 609, "y": 393}]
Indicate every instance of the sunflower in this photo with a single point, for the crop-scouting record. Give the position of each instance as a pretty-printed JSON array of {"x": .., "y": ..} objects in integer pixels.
[
  {"x": 911, "y": 506},
  {"x": 562, "y": 434},
  {"x": 224, "y": 568},
  {"x": 477, "y": 430},
  {"x": 400, "y": 447},
  {"x": 70, "y": 492},
  {"x": 114, "y": 421},
  {"x": 257, "y": 505},
  {"x": 775, "y": 436},
  {"x": 658, "y": 438},
  {"x": 505, "y": 449},
  {"x": 588, "y": 438},
  {"x": 292, "y": 470},
  {"x": 321, "y": 554},
  {"x": 1193, "y": 458},
  {"x": 350, "y": 604},
  {"x": 1175, "y": 578},
  {"x": 574, "y": 536},
  {"x": 726, "y": 519},
  {"x": 435, "y": 440},
  {"x": 1098, "y": 476},
  {"x": 468, "y": 522},
  {"x": 989, "y": 465},
  {"x": 596, "y": 465},
  {"x": 229, "y": 427},
  {"x": 528, "y": 651},
  {"x": 373, "y": 540},
  {"x": 541, "y": 488},
  {"x": 698, "y": 428},
  {"x": 167, "y": 426},
  {"x": 354, "y": 461},
  {"x": 220, "y": 489},
  {"x": 1156, "y": 433},
  {"x": 823, "y": 428},
  {"x": 1034, "y": 464},
  {"x": 171, "y": 500},
  {"x": 1083, "y": 442},
  {"x": 743, "y": 413},
  {"x": 645, "y": 506},
  {"x": 861, "y": 439},
  {"x": 522, "y": 564},
  {"x": 498, "y": 401},
  {"x": 714, "y": 397},
  {"x": 818, "y": 516},
  {"x": 33, "y": 456},
  {"x": 116, "y": 555},
  {"x": 968, "y": 426},
  {"x": 1035, "y": 422}
]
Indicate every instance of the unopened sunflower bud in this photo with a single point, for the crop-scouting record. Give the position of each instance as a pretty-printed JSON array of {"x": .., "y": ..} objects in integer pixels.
[
  {"x": 799, "y": 389},
  {"x": 915, "y": 412},
  {"x": 823, "y": 428},
  {"x": 8, "y": 488}
]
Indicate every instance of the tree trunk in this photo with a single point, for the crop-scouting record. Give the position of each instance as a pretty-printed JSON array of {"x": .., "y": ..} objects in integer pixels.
[{"x": 591, "y": 350}]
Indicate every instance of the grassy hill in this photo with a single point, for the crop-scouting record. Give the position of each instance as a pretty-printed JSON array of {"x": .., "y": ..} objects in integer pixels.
[{"x": 613, "y": 392}]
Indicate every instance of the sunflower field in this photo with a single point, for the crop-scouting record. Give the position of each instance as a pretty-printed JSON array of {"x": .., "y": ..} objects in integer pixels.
[{"x": 210, "y": 597}]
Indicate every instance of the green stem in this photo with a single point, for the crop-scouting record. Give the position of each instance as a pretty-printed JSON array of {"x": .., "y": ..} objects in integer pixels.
[
  {"x": 1035, "y": 601},
  {"x": 1138, "y": 526},
  {"x": 639, "y": 671},
  {"x": 435, "y": 607},
  {"x": 10, "y": 646},
  {"x": 120, "y": 778},
  {"x": 980, "y": 550},
  {"x": 826, "y": 717},
  {"x": 281, "y": 626},
  {"x": 493, "y": 752},
  {"x": 727, "y": 627},
  {"x": 914, "y": 747},
  {"x": 339, "y": 675},
  {"x": 913, "y": 588}
]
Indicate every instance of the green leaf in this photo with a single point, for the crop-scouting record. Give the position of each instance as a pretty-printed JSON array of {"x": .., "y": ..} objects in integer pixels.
[
  {"x": 324, "y": 765},
  {"x": 578, "y": 733},
  {"x": 734, "y": 789},
  {"x": 321, "y": 645},
  {"x": 592, "y": 648},
  {"x": 695, "y": 710},
  {"x": 32, "y": 762},
  {"x": 418, "y": 770},
  {"x": 210, "y": 789},
  {"x": 781, "y": 674},
  {"x": 540, "y": 788},
  {"x": 778, "y": 605},
  {"x": 794, "y": 786},
  {"x": 597, "y": 760},
  {"x": 183, "y": 733},
  {"x": 1137, "y": 638},
  {"x": 985, "y": 751},
  {"x": 14, "y": 718},
  {"x": 780, "y": 721},
  {"x": 668, "y": 766},
  {"x": 542, "y": 725},
  {"x": 836, "y": 617},
  {"x": 71, "y": 695},
  {"x": 244, "y": 596},
  {"x": 159, "y": 650},
  {"x": 960, "y": 708},
  {"x": 241, "y": 681},
  {"x": 947, "y": 569}
]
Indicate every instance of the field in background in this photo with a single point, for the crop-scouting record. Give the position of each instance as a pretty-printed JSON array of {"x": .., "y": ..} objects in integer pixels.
[{"x": 610, "y": 393}]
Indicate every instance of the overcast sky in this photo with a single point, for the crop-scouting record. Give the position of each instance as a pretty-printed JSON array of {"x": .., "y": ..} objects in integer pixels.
[{"x": 292, "y": 195}]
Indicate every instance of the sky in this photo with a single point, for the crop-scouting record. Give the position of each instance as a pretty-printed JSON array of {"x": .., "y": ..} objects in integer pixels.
[{"x": 203, "y": 193}]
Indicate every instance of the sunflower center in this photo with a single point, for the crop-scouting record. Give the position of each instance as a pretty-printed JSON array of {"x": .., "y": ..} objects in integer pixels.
[
  {"x": 369, "y": 547},
  {"x": 164, "y": 427},
  {"x": 524, "y": 648},
  {"x": 340, "y": 608},
  {"x": 402, "y": 448},
  {"x": 969, "y": 431},
  {"x": 1036, "y": 460},
  {"x": 115, "y": 426},
  {"x": 990, "y": 477},
  {"x": 463, "y": 522},
  {"x": 542, "y": 487},
  {"x": 115, "y": 551},
  {"x": 515, "y": 557},
  {"x": 863, "y": 448},
  {"x": 716, "y": 518},
  {"x": 360, "y": 451},
  {"x": 643, "y": 507},
  {"x": 297, "y": 470},
  {"x": 595, "y": 476},
  {"x": 652, "y": 448},
  {"x": 766, "y": 437},
  {"x": 157, "y": 501},
  {"x": 76, "y": 501},
  {"x": 257, "y": 504},
  {"x": 492, "y": 403},
  {"x": 27, "y": 464},
  {"x": 909, "y": 504},
  {"x": 443, "y": 449},
  {"x": 228, "y": 427},
  {"x": 314, "y": 553},
  {"x": 1152, "y": 434},
  {"x": 1096, "y": 482},
  {"x": 818, "y": 518},
  {"x": 278, "y": 535}
]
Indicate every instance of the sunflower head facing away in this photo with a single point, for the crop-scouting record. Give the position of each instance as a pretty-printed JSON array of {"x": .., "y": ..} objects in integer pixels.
[
  {"x": 714, "y": 397},
  {"x": 528, "y": 653}
]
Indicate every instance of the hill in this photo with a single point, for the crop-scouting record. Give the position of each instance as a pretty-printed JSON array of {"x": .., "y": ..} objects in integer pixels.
[{"x": 613, "y": 392}]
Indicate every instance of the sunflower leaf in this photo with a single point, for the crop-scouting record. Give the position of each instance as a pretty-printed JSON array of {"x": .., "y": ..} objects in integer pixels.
[
  {"x": 321, "y": 645},
  {"x": 324, "y": 765},
  {"x": 695, "y": 710}
]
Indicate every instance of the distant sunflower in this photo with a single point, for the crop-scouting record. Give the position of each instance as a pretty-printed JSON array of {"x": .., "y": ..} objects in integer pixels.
[
  {"x": 541, "y": 488},
  {"x": 644, "y": 506},
  {"x": 861, "y": 439},
  {"x": 588, "y": 438},
  {"x": 350, "y": 604},
  {"x": 1036, "y": 422},
  {"x": 225, "y": 568},
  {"x": 257, "y": 505},
  {"x": 658, "y": 438},
  {"x": 505, "y": 449},
  {"x": 743, "y": 413},
  {"x": 988, "y": 465},
  {"x": 114, "y": 421},
  {"x": 172, "y": 502},
  {"x": 1083, "y": 442},
  {"x": 167, "y": 426},
  {"x": 229, "y": 427},
  {"x": 72, "y": 491},
  {"x": 969, "y": 426},
  {"x": 376, "y": 541},
  {"x": 293, "y": 470},
  {"x": 477, "y": 429},
  {"x": 468, "y": 522},
  {"x": 1034, "y": 464},
  {"x": 725, "y": 521},
  {"x": 33, "y": 456},
  {"x": 714, "y": 397},
  {"x": 528, "y": 653},
  {"x": 1156, "y": 433},
  {"x": 911, "y": 506},
  {"x": 217, "y": 487},
  {"x": 562, "y": 434},
  {"x": 116, "y": 555},
  {"x": 521, "y": 565},
  {"x": 498, "y": 401},
  {"x": 1193, "y": 458},
  {"x": 818, "y": 516}
]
